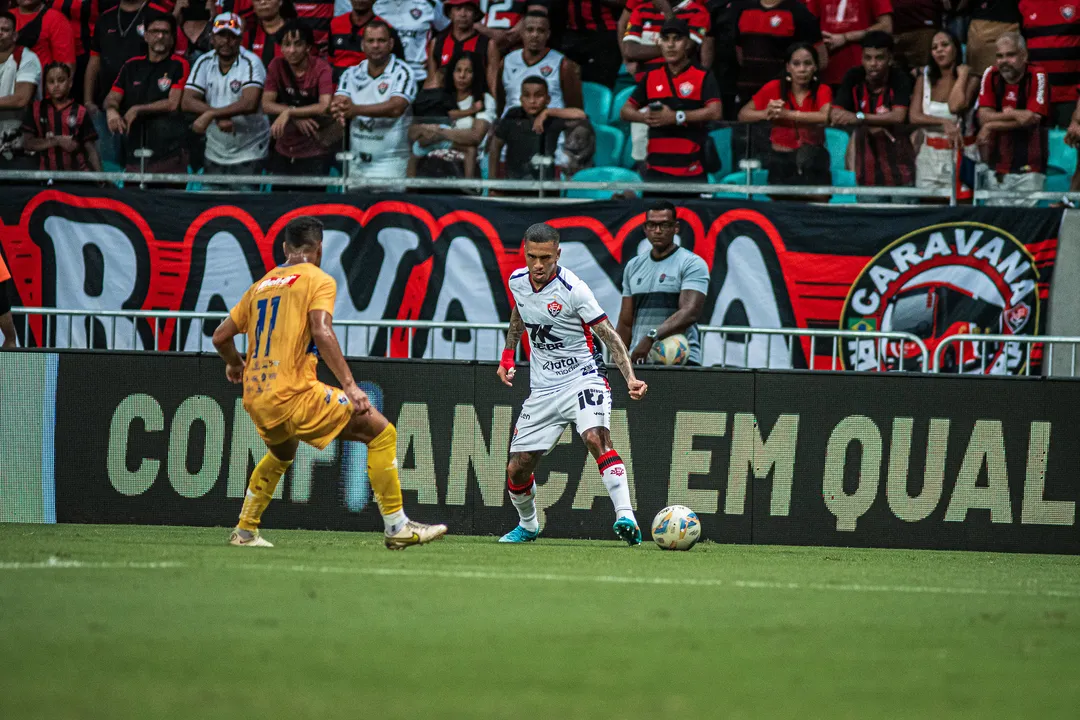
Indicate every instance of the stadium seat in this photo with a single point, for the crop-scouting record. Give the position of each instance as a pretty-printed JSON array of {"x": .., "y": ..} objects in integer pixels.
[
  {"x": 1061, "y": 155},
  {"x": 836, "y": 140},
  {"x": 601, "y": 174},
  {"x": 722, "y": 140},
  {"x": 617, "y": 105},
  {"x": 760, "y": 177},
  {"x": 609, "y": 145},
  {"x": 843, "y": 178},
  {"x": 597, "y": 102}
]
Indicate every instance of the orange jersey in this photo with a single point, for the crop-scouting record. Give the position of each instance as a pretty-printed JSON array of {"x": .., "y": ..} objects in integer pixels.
[
  {"x": 4, "y": 274},
  {"x": 281, "y": 357}
]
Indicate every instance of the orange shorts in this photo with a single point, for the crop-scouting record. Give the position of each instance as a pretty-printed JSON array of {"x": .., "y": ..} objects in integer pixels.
[{"x": 316, "y": 417}]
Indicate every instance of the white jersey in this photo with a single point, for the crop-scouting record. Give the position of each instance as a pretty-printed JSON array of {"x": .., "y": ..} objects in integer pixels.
[
  {"x": 25, "y": 70},
  {"x": 515, "y": 70},
  {"x": 379, "y": 145},
  {"x": 251, "y": 137},
  {"x": 557, "y": 319},
  {"x": 415, "y": 21}
]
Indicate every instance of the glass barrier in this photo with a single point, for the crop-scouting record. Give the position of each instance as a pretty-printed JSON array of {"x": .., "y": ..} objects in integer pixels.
[{"x": 852, "y": 163}]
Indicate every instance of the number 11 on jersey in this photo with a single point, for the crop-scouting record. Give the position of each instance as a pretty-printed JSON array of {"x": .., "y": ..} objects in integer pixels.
[{"x": 261, "y": 323}]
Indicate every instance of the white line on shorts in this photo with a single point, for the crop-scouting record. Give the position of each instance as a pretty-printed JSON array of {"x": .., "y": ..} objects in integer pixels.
[{"x": 501, "y": 576}]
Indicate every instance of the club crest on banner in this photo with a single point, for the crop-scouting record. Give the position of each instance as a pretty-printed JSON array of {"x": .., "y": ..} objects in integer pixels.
[{"x": 961, "y": 278}]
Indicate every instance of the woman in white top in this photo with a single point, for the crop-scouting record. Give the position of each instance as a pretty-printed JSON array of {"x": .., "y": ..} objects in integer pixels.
[
  {"x": 459, "y": 141},
  {"x": 944, "y": 92}
]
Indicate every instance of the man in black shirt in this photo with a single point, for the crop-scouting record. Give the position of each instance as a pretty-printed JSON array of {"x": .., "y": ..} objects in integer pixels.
[
  {"x": 530, "y": 133},
  {"x": 144, "y": 102}
]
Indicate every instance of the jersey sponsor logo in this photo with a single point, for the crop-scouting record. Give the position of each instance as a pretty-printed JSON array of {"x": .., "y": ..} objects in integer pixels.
[
  {"x": 589, "y": 397},
  {"x": 685, "y": 88},
  {"x": 546, "y": 70},
  {"x": 234, "y": 85},
  {"x": 959, "y": 278},
  {"x": 277, "y": 282},
  {"x": 164, "y": 82},
  {"x": 554, "y": 308},
  {"x": 541, "y": 338},
  {"x": 562, "y": 366}
]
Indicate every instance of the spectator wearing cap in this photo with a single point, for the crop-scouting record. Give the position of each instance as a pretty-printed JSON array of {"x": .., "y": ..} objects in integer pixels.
[
  {"x": 144, "y": 102},
  {"x": 990, "y": 19},
  {"x": 461, "y": 36},
  {"x": 844, "y": 24},
  {"x": 45, "y": 31},
  {"x": 415, "y": 21},
  {"x": 298, "y": 90},
  {"x": 1051, "y": 29},
  {"x": 535, "y": 57},
  {"x": 1014, "y": 106},
  {"x": 347, "y": 37},
  {"x": 225, "y": 92},
  {"x": 20, "y": 76},
  {"x": 676, "y": 101},
  {"x": 374, "y": 100},
  {"x": 874, "y": 100},
  {"x": 315, "y": 14}
]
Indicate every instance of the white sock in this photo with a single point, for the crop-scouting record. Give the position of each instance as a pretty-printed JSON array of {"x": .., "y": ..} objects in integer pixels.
[
  {"x": 394, "y": 522},
  {"x": 613, "y": 473},
  {"x": 525, "y": 502}
]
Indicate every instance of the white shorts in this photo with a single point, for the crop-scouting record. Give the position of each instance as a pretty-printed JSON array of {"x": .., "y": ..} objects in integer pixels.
[{"x": 585, "y": 402}]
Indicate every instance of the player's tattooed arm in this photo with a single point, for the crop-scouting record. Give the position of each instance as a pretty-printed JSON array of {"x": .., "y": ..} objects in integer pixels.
[
  {"x": 517, "y": 327},
  {"x": 620, "y": 357}
]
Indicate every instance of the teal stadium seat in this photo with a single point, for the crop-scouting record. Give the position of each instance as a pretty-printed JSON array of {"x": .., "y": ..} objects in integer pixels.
[
  {"x": 836, "y": 140},
  {"x": 721, "y": 138},
  {"x": 597, "y": 102},
  {"x": 759, "y": 177},
  {"x": 843, "y": 178},
  {"x": 609, "y": 146},
  {"x": 1061, "y": 155},
  {"x": 601, "y": 174},
  {"x": 617, "y": 105}
]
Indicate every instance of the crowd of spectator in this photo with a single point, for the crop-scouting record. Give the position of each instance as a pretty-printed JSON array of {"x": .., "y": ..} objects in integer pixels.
[{"x": 931, "y": 91}]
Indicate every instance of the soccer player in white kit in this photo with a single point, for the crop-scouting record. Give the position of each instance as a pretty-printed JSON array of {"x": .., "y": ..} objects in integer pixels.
[{"x": 567, "y": 380}]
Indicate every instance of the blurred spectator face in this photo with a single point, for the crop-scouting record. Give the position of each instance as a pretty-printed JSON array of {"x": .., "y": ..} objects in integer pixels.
[
  {"x": 674, "y": 48},
  {"x": 534, "y": 98},
  {"x": 226, "y": 44},
  {"x": 7, "y": 35},
  {"x": 376, "y": 44},
  {"x": 1011, "y": 60},
  {"x": 463, "y": 16},
  {"x": 943, "y": 50},
  {"x": 267, "y": 9},
  {"x": 58, "y": 83},
  {"x": 295, "y": 49},
  {"x": 362, "y": 7},
  {"x": 535, "y": 33},
  {"x": 801, "y": 67},
  {"x": 159, "y": 38},
  {"x": 660, "y": 227},
  {"x": 876, "y": 63},
  {"x": 463, "y": 74},
  {"x": 29, "y": 5}
]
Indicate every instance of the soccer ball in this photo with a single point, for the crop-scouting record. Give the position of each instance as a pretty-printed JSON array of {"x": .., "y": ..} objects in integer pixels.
[
  {"x": 676, "y": 527},
  {"x": 672, "y": 350}
]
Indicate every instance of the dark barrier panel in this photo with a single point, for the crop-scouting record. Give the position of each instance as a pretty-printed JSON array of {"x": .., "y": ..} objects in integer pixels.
[{"x": 764, "y": 457}]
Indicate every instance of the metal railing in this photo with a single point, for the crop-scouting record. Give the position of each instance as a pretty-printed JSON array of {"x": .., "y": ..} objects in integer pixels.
[
  {"x": 981, "y": 359},
  {"x": 880, "y": 339}
]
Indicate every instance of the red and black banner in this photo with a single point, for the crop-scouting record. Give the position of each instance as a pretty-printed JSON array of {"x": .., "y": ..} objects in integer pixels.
[{"x": 933, "y": 272}]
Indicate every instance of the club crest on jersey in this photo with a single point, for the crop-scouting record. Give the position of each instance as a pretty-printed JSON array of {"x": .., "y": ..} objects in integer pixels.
[
  {"x": 416, "y": 13},
  {"x": 775, "y": 21},
  {"x": 383, "y": 87},
  {"x": 554, "y": 308},
  {"x": 685, "y": 88},
  {"x": 235, "y": 86},
  {"x": 164, "y": 82},
  {"x": 546, "y": 70},
  {"x": 1068, "y": 12}
]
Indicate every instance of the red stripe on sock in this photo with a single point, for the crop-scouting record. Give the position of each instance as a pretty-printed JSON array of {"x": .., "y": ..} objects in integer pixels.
[
  {"x": 608, "y": 459},
  {"x": 519, "y": 489}
]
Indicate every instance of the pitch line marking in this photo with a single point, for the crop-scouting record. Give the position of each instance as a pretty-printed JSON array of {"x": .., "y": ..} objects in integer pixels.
[{"x": 481, "y": 574}]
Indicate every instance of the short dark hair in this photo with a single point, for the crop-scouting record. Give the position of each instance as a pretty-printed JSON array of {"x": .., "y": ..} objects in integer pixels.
[
  {"x": 541, "y": 233},
  {"x": 535, "y": 80},
  {"x": 304, "y": 231},
  {"x": 167, "y": 18},
  {"x": 537, "y": 14},
  {"x": 6, "y": 15},
  {"x": 55, "y": 66},
  {"x": 878, "y": 40},
  {"x": 296, "y": 27},
  {"x": 378, "y": 22},
  {"x": 662, "y": 206}
]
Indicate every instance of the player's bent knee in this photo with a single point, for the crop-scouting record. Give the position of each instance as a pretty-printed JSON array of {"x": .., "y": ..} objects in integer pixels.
[
  {"x": 365, "y": 428},
  {"x": 598, "y": 440}
]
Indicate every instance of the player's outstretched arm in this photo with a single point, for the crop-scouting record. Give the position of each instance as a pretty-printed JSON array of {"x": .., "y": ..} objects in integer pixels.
[
  {"x": 621, "y": 358},
  {"x": 513, "y": 337},
  {"x": 322, "y": 332},
  {"x": 226, "y": 348}
]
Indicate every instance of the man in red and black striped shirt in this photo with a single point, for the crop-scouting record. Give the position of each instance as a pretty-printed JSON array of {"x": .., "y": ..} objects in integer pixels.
[
  {"x": 347, "y": 37},
  {"x": 461, "y": 36},
  {"x": 764, "y": 29},
  {"x": 641, "y": 44},
  {"x": 1014, "y": 104},
  {"x": 677, "y": 101},
  {"x": 1052, "y": 31},
  {"x": 874, "y": 100},
  {"x": 591, "y": 39}
]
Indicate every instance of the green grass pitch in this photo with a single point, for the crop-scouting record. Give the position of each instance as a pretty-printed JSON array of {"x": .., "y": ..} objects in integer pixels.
[{"x": 148, "y": 622}]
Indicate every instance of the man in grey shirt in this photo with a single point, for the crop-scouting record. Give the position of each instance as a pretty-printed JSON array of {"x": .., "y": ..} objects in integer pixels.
[{"x": 663, "y": 290}]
